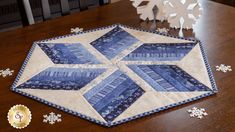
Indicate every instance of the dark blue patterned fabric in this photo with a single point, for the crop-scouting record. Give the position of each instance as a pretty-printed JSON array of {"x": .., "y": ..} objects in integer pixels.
[
  {"x": 160, "y": 52},
  {"x": 169, "y": 78},
  {"x": 68, "y": 53},
  {"x": 113, "y": 95},
  {"x": 62, "y": 78},
  {"x": 114, "y": 42}
]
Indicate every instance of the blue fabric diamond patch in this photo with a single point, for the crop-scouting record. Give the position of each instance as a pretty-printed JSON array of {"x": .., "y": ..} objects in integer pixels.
[
  {"x": 68, "y": 53},
  {"x": 160, "y": 52},
  {"x": 115, "y": 94},
  {"x": 168, "y": 78},
  {"x": 62, "y": 78},
  {"x": 115, "y": 41}
]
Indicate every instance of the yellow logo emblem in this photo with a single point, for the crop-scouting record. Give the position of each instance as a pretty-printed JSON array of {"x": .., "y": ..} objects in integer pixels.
[{"x": 19, "y": 116}]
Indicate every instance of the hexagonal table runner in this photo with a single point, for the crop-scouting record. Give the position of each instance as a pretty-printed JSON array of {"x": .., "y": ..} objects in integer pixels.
[{"x": 115, "y": 74}]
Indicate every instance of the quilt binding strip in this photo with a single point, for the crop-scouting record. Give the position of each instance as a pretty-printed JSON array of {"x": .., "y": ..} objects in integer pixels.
[{"x": 205, "y": 59}]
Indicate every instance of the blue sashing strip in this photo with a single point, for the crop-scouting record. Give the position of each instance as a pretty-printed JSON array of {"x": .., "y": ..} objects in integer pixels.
[
  {"x": 205, "y": 59},
  {"x": 168, "y": 78},
  {"x": 160, "y": 52},
  {"x": 113, "y": 95},
  {"x": 114, "y": 42},
  {"x": 61, "y": 53},
  {"x": 62, "y": 78}
]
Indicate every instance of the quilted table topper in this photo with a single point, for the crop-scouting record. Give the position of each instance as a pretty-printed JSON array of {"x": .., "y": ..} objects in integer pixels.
[{"x": 115, "y": 74}]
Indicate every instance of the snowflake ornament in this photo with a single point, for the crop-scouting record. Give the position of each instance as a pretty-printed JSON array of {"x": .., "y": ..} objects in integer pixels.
[
  {"x": 6, "y": 72},
  {"x": 52, "y": 118},
  {"x": 197, "y": 112},
  {"x": 76, "y": 30},
  {"x": 223, "y": 68},
  {"x": 182, "y": 13},
  {"x": 146, "y": 11},
  {"x": 163, "y": 30}
]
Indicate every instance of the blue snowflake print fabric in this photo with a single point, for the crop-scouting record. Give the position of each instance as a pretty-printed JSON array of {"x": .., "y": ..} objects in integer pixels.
[{"x": 115, "y": 74}]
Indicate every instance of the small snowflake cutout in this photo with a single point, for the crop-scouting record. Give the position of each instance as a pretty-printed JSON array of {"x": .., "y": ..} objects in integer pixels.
[
  {"x": 163, "y": 30},
  {"x": 76, "y": 30},
  {"x": 223, "y": 68},
  {"x": 197, "y": 112},
  {"x": 52, "y": 118},
  {"x": 6, "y": 72}
]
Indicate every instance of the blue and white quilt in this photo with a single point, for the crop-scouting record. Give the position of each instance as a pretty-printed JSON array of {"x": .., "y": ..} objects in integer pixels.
[{"x": 115, "y": 74}]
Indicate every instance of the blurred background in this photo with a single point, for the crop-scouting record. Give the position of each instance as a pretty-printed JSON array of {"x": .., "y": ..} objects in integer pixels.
[{"x": 10, "y": 17}]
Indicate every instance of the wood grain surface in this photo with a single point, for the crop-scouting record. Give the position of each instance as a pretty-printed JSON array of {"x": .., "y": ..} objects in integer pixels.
[{"x": 216, "y": 29}]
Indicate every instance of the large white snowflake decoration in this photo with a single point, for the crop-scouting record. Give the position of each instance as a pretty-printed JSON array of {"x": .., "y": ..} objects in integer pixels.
[
  {"x": 52, "y": 118},
  {"x": 197, "y": 112},
  {"x": 146, "y": 11},
  {"x": 182, "y": 13},
  {"x": 6, "y": 72},
  {"x": 223, "y": 68}
]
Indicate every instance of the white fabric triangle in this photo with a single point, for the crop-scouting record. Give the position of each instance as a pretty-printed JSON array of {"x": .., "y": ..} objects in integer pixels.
[
  {"x": 38, "y": 62},
  {"x": 82, "y": 38},
  {"x": 70, "y": 99},
  {"x": 194, "y": 65},
  {"x": 147, "y": 37},
  {"x": 152, "y": 100}
]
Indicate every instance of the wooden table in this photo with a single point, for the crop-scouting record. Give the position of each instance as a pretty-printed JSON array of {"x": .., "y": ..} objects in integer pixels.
[{"x": 216, "y": 29}]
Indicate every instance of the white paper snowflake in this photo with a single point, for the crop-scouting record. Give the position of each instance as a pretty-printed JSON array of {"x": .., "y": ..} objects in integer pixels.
[
  {"x": 146, "y": 11},
  {"x": 197, "y": 112},
  {"x": 163, "y": 30},
  {"x": 182, "y": 13},
  {"x": 6, "y": 72},
  {"x": 223, "y": 68},
  {"x": 76, "y": 30},
  {"x": 52, "y": 118}
]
